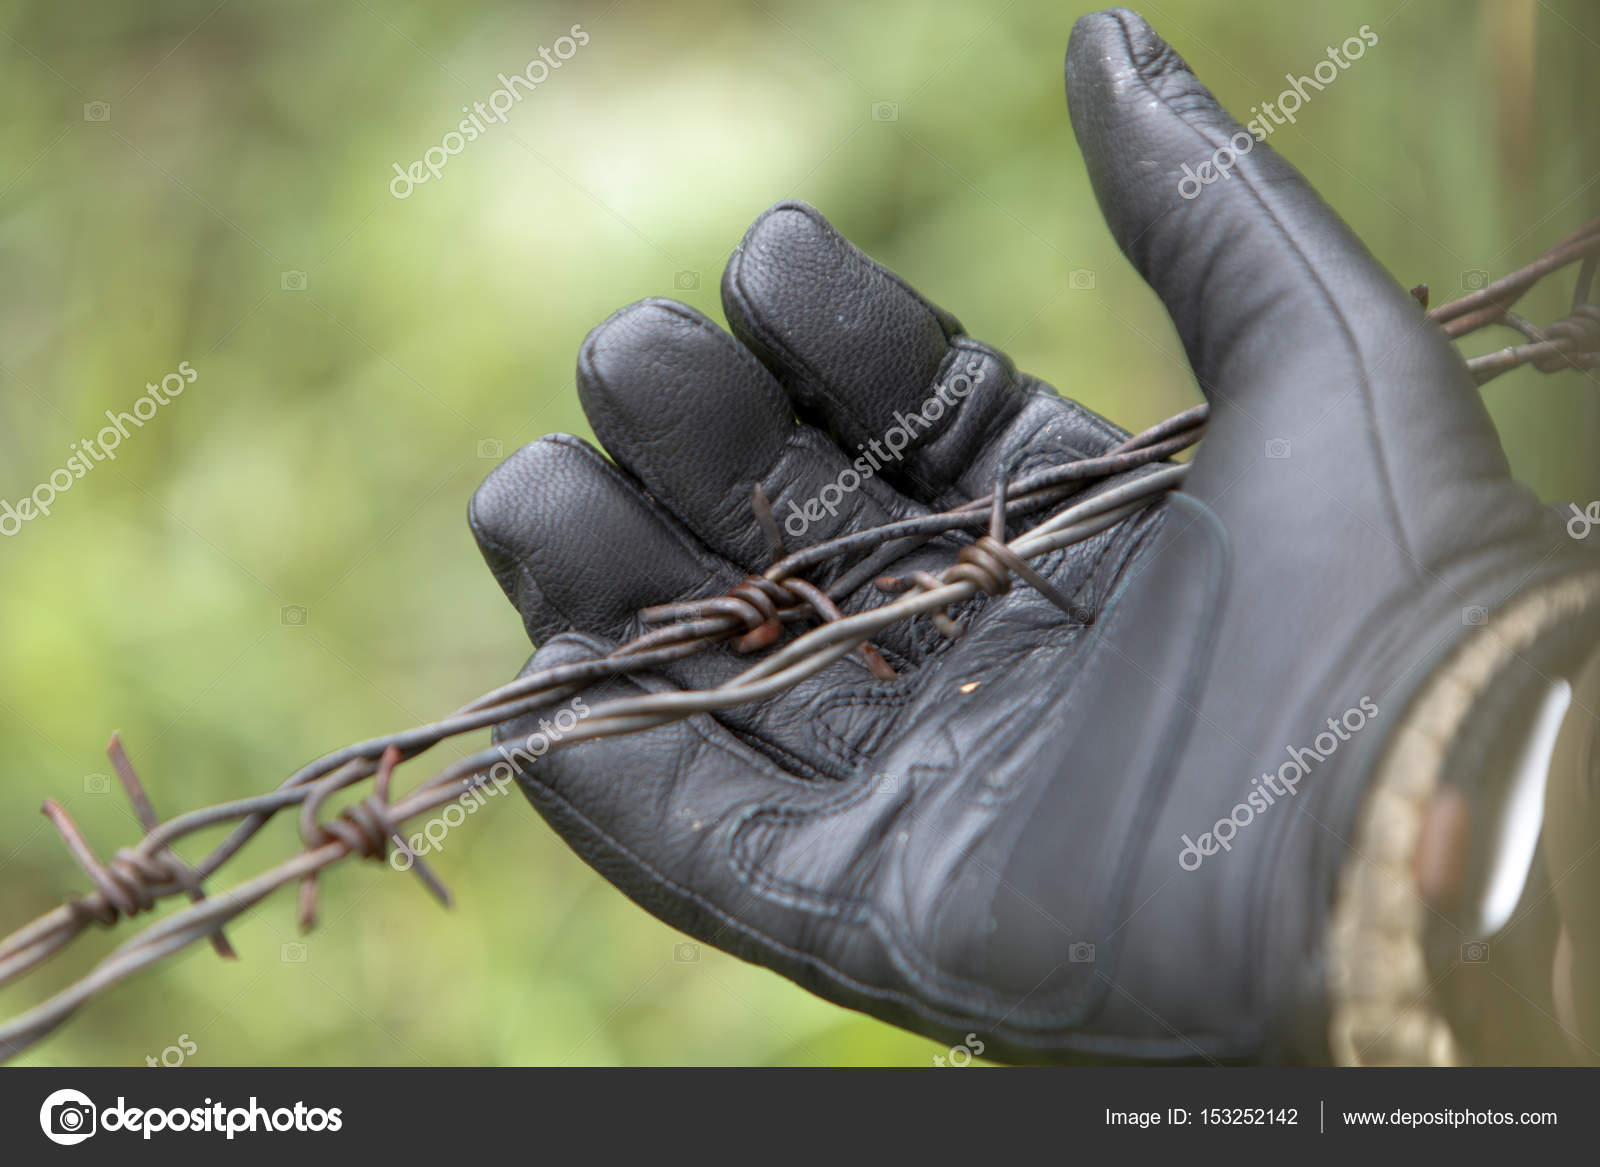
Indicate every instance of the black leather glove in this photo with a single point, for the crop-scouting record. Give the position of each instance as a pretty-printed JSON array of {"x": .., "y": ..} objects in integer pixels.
[{"x": 1022, "y": 835}]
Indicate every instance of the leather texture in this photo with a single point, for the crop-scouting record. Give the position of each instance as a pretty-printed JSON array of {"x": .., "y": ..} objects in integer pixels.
[{"x": 990, "y": 843}]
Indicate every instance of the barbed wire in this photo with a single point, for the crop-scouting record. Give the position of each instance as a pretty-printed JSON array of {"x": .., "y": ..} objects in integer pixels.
[
  {"x": 751, "y": 616},
  {"x": 1573, "y": 342}
]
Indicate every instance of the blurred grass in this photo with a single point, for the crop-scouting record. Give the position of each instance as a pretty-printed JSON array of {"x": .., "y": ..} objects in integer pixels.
[{"x": 324, "y": 456}]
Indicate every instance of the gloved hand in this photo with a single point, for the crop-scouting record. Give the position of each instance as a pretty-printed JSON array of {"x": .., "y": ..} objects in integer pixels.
[{"x": 1023, "y": 834}]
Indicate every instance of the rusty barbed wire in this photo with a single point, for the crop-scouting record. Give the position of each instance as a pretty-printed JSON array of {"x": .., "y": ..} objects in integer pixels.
[
  {"x": 1573, "y": 342},
  {"x": 751, "y": 617}
]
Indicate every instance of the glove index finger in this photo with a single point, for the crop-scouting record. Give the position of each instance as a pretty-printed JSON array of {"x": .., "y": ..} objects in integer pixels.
[{"x": 576, "y": 545}]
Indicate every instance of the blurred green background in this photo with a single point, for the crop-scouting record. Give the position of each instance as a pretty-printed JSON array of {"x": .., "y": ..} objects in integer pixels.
[{"x": 278, "y": 562}]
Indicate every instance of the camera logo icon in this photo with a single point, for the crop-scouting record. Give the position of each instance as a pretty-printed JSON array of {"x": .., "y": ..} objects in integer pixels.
[
  {"x": 1475, "y": 952},
  {"x": 67, "y": 1117},
  {"x": 1081, "y": 280},
  {"x": 292, "y": 615},
  {"x": 292, "y": 952},
  {"x": 292, "y": 281},
  {"x": 1081, "y": 953},
  {"x": 97, "y": 111},
  {"x": 686, "y": 280},
  {"x": 686, "y": 953},
  {"x": 1277, "y": 449},
  {"x": 1474, "y": 616},
  {"x": 886, "y": 111},
  {"x": 491, "y": 449},
  {"x": 886, "y": 784},
  {"x": 1475, "y": 280},
  {"x": 97, "y": 784}
]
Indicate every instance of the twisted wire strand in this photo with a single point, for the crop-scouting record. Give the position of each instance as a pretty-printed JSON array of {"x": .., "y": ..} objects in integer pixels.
[
  {"x": 141, "y": 875},
  {"x": 1571, "y": 343}
]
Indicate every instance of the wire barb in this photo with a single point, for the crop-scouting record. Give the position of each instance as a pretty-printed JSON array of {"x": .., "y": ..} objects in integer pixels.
[{"x": 1571, "y": 343}]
